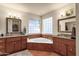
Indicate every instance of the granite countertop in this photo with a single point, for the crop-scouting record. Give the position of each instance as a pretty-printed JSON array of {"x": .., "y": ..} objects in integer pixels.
[
  {"x": 11, "y": 36},
  {"x": 63, "y": 37},
  {"x": 59, "y": 36},
  {"x": 14, "y": 35}
]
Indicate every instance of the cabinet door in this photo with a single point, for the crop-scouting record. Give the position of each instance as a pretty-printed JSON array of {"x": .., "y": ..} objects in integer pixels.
[
  {"x": 59, "y": 46},
  {"x": 71, "y": 51},
  {"x": 10, "y": 47},
  {"x": 55, "y": 44},
  {"x": 17, "y": 45},
  {"x": 24, "y": 43},
  {"x": 71, "y": 48},
  {"x": 62, "y": 47},
  {"x": 2, "y": 46}
]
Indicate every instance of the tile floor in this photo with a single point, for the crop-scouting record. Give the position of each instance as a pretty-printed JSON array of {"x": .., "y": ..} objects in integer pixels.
[
  {"x": 34, "y": 53},
  {"x": 21, "y": 53}
]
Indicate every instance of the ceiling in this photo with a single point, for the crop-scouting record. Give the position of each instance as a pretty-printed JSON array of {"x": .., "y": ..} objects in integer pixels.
[{"x": 35, "y": 8}]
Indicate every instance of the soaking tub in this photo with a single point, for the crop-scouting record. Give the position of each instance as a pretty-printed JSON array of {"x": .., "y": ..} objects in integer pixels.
[
  {"x": 40, "y": 40},
  {"x": 43, "y": 44}
]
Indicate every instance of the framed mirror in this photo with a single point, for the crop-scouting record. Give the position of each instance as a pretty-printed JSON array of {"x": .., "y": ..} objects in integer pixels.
[
  {"x": 66, "y": 24},
  {"x": 13, "y": 25}
]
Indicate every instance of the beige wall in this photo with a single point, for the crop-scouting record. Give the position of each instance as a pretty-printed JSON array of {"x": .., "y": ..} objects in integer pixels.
[
  {"x": 56, "y": 15},
  {"x": 6, "y": 11},
  {"x": 77, "y": 32}
]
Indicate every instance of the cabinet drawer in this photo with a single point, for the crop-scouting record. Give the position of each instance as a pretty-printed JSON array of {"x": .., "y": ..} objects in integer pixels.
[
  {"x": 10, "y": 39},
  {"x": 70, "y": 42},
  {"x": 2, "y": 40},
  {"x": 13, "y": 39},
  {"x": 17, "y": 39}
]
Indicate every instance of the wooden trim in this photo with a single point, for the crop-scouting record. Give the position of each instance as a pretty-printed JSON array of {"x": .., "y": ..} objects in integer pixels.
[
  {"x": 6, "y": 25},
  {"x": 40, "y": 46},
  {"x": 67, "y": 18},
  {"x": 64, "y": 19},
  {"x": 12, "y": 19}
]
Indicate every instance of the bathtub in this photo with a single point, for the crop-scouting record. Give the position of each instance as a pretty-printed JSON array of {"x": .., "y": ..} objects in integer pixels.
[{"x": 40, "y": 40}]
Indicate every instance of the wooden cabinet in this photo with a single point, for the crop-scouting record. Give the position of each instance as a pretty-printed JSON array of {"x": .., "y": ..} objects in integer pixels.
[
  {"x": 24, "y": 42},
  {"x": 2, "y": 46},
  {"x": 64, "y": 46},
  {"x": 13, "y": 44},
  {"x": 39, "y": 46}
]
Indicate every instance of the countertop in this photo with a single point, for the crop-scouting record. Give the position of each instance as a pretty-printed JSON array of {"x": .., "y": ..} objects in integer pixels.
[
  {"x": 62, "y": 37},
  {"x": 58, "y": 36},
  {"x": 11, "y": 36}
]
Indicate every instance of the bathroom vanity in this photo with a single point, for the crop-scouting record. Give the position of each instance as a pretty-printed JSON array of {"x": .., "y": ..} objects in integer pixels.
[
  {"x": 64, "y": 46},
  {"x": 61, "y": 45},
  {"x": 12, "y": 44}
]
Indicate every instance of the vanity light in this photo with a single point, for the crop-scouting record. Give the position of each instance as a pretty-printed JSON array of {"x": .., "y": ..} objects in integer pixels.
[
  {"x": 13, "y": 17},
  {"x": 9, "y": 16}
]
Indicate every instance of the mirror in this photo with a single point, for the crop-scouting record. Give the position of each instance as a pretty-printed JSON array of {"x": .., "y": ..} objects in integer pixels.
[
  {"x": 66, "y": 24},
  {"x": 13, "y": 25}
]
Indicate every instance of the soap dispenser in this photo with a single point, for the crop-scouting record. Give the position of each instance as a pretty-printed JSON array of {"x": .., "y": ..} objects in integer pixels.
[{"x": 73, "y": 35}]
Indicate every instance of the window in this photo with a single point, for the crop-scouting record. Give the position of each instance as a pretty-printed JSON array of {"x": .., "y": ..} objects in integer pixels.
[
  {"x": 34, "y": 26},
  {"x": 47, "y": 25}
]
